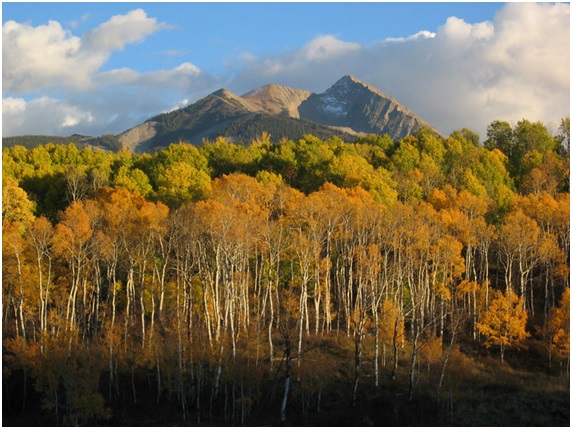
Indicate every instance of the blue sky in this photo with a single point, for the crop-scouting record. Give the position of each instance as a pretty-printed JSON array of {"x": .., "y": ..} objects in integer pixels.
[
  {"x": 211, "y": 35},
  {"x": 96, "y": 68}
]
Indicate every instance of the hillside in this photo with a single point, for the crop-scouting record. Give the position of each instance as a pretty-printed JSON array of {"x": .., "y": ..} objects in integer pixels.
[{"x": 31, "y": 141}]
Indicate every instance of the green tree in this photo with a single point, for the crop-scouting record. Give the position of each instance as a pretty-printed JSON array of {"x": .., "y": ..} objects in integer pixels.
[
  {"x": 466, "y": 136},
  {"x": 156, "y": 164},
  {"x": 181, "y": 183},
  {"x": 133, "y": 180},
  {"x": 500, "y": 136},
  {"x": 225, "y": 157},
  {"x": 282, "y": 160}
]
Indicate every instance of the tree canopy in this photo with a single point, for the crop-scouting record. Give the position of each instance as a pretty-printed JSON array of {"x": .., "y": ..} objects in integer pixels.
[{"x": 208, "y": 276}]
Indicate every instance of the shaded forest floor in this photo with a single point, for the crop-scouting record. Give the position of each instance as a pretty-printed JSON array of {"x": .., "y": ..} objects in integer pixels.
[{"x": 476, "y": 391}]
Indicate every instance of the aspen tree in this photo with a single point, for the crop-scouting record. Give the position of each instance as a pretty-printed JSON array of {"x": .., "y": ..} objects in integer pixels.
[
  {"x": 72, "y": 242},
  {"x": 360, "y": 324},
  {"x": 13, "y": 266},
  {"x": 40, "y": 236},
  {"x": 557, "y": 331},
  {"x": 504, "y": 323},
  {"x": 16, "y": 205},
  {"x": 519, "y": 237}
]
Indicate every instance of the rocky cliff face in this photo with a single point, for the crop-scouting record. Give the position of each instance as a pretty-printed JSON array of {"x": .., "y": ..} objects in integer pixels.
[
  {"x": 278, "y": 99},
  {"x": 361, "y": 107}
]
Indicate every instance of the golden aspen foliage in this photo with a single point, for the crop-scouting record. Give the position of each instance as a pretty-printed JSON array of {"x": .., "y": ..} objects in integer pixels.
[
  {"x": 431, "y": 351},
  {"x": 504, "y": 323},
  {"x": 16, "y": 206},
  {"x": 392, "y": 327},
  {"x": 209, "y": 277},
  {"x": 558, "y": 327},
  {"x": 73, "y": 231}
]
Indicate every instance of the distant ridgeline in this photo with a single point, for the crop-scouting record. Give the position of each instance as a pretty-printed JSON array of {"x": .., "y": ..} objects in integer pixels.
[
  {"x": 31, "y": 141},
  {"x": 106, "y": 141}
]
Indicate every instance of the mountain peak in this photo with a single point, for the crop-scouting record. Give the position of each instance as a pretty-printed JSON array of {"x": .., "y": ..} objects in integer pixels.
[
  {"x": 359, "y": 106},
  {"x": 347, "y": 83},
  {"x": 336, "y": 102},
  {"x": 224, "y": 93},
  {"x": 349, "y": 107},
  {"x": 277, "y": 99},
  {"x": 349, "y": 78},
  {"x": 231, "y": 98}
]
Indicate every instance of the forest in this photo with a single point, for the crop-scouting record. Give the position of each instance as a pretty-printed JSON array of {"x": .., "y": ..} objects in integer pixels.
[{"x": 419, "y": 282}]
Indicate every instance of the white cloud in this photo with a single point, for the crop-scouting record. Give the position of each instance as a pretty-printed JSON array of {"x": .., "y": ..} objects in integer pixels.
[
  {"x": 122, "y": 76},
  {"x": 184, "y": 78},
  {"x": 457, "y": 31},
  {"x": 13, "y": 105},
  {"x": 124, "y": 99},
  {"x": 120, "y": 30},
  {"x": 464, "y": 75},
  {"x": 178, "y": 105},
  {"x": 37, "y": 57},
  {"x": 315, "y": 66},
  {"x": 187, "y": 69},
  {"x": 33, "y": 117},
  {"x": 423, "y": 34},
  {"x": 48, "y": 56},
  {"x": 327, "y": 47},
  {"x": 78, "y": 97}
]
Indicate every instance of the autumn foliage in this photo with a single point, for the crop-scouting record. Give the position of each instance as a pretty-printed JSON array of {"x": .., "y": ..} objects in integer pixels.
[{"x": 288, "y": 275}]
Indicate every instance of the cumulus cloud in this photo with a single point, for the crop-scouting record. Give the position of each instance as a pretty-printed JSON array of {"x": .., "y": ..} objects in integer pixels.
[
  {"x": 464, "y": 75},
  {"x": 121, "y": 30},
  {"x": 78, "y": 96},
  {"x": 316, "y": 65},
  {"x": 44, "y": 116},
  {"x": 48, "y": 56},
  {"x": 327, "y": 47},
  {"x": 37, "y": 57},
  {"x": 124, "y": 99}
]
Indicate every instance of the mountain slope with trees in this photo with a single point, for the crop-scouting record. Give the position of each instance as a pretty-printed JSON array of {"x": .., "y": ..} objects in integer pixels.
[{"x": 419, "y": 281}]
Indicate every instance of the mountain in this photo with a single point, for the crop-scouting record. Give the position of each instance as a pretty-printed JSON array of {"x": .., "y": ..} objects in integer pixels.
[
  {"x": 360, "y": 107},
  {"x": 347, "y": 109},
  {"x": 236, "y": 118},
  {"x": 278, "y": 99}
]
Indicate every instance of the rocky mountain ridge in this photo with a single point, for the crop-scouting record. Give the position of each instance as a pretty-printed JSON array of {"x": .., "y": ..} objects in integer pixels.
[
  {"x": 278, "y": 99},
  {"x": 361, "y": 107},
  {"x": 348, "y": 108}
]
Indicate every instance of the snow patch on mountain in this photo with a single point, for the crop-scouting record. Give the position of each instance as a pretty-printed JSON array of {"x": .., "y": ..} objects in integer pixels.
[
  {"x": 333, "y": 105},
  {"x": 336, "y": 99}
]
